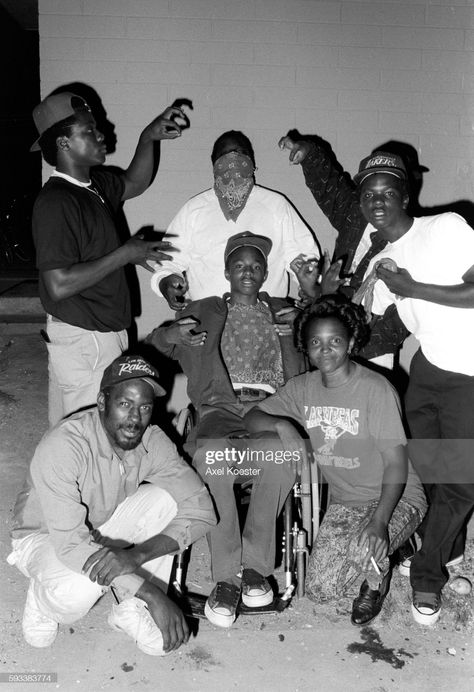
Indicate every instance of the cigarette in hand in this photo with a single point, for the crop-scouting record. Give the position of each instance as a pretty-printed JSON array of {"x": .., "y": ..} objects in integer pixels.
[{"x": 375, "y": 565}]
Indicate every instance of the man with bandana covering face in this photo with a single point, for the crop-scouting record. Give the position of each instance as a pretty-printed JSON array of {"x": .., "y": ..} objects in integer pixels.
[
  {"x": 202, "y": 227},
  {"x": 233, "y": 182}
]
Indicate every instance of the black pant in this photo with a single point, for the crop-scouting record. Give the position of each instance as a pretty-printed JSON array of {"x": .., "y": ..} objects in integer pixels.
[{"x": 440, "y": 414}]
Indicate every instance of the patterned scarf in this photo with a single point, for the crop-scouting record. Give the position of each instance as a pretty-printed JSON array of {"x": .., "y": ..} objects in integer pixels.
[{"x": 233, "y": 182}]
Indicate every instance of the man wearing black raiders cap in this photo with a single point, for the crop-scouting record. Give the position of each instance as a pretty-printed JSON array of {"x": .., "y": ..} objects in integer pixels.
[
  {"x": 107, "y": 502},
  {"x": 80, "y": 256}
]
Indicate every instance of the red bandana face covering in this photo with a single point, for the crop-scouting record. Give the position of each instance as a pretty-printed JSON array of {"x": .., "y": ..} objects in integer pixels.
[{"x": 233, "y": 182}]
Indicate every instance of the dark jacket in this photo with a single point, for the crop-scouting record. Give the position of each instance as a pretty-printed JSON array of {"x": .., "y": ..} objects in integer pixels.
[
  {"x": 209, "y": 383},
  {"x": 338, "y": 198}
]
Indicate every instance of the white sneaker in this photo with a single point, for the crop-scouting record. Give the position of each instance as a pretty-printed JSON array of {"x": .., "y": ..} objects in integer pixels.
[
  {"x": 455, "y": 561},
  {"x": 426, "y": 607},
  {"x": 133, "y": 617},
  {"x": 38, "y": 629}
]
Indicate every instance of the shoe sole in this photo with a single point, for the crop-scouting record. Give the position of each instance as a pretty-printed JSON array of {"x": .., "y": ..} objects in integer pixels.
[
  {"x": 257, "y": 601},
  {"x": 426, "y": 619},
  {"x": 404, "y": 570},
  {"x": 150, "y": 651},
  {"x": 217, "y": 619},
  {"x": 455, "y": 561}
]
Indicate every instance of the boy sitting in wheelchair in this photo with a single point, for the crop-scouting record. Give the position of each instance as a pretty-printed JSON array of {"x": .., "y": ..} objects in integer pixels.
[{"x": 235, "y": 351}]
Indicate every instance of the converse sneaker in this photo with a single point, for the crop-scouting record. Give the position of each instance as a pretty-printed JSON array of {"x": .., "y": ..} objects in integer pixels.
[
  {"x": 133, "y": 617},
  {"x": 426, "y": 607},
  {"x": 38, "y": 629},
  {"x": 256, "y": 591},
  {"x": 221, "y": 606}
]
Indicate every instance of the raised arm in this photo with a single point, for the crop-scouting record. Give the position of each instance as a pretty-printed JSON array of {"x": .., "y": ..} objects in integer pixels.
[
  {"x": 330, "y": 186},
  {"x": 139, "y": 174}
]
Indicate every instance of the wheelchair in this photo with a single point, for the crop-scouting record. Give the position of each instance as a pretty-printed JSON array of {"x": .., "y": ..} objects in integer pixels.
[{"x": 301, "y": 518}]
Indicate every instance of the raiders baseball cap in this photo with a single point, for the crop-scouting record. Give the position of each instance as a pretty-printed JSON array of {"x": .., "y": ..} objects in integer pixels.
[
  {"x": 126, "y": 368},
  {"x": 248, "y": 239}
]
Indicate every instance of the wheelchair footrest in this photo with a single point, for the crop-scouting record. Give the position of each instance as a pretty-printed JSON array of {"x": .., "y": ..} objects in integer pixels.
[{"x": 192, "y": 605}]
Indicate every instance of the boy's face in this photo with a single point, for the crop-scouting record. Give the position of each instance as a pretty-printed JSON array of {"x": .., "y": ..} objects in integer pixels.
[
  {"x": 85, "y": 145},
  {"x": 246, "y": 271}
]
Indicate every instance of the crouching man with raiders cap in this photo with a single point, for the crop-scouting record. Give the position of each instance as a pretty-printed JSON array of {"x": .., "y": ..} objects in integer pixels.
[{"x": 107, "y": 502}]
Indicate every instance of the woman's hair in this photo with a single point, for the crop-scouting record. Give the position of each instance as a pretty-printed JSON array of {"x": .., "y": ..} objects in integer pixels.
[
  {"x": 242, "y": 140},
  {"x": 350, "y": 315}
]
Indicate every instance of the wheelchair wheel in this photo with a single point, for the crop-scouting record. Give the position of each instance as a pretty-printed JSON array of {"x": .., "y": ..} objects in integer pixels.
[{"x": 184, "y": 422}]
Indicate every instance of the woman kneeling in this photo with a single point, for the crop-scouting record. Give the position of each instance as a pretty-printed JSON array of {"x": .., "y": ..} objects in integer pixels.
[{"x": 352, "y": 417}]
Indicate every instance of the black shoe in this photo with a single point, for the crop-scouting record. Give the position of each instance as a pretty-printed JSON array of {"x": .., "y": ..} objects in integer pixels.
[{"x": 369, "y": 602}]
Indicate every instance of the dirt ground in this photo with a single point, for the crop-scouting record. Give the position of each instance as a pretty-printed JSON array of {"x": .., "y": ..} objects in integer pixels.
[{"x": 306, "y": 647}]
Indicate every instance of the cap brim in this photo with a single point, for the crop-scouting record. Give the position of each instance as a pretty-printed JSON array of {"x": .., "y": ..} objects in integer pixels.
[
  {"x": 35, "y": 146},
  {"x": 157, "y": 388},
  {"x": 264, "y": 250},
  {"x": 363, "y": 175}
]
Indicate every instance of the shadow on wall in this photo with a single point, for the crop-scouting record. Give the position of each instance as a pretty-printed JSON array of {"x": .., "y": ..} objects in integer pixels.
[{"x": 415, "y": 170}]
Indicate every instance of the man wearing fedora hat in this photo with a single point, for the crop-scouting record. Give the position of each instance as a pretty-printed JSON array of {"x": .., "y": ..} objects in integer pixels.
[
  {"x": 107, "y": 502},
  {"x": 80, "y": 257}
]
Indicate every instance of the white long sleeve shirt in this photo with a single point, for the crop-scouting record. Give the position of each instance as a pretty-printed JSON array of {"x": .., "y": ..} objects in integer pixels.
[{"x": 200, "y": 233}]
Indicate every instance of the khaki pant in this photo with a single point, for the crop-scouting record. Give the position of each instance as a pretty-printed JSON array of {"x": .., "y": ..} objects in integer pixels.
[
  {"x": 77, "y": 359},
  {"x": 66, "y": 596}
]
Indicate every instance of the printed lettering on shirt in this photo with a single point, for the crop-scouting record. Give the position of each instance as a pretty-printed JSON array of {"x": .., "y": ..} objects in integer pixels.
[
  {"x": 337, "y": 462},
  {"x": 334, "y": 422}
]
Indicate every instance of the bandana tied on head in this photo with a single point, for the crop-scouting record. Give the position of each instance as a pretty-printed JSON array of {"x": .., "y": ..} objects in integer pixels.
[{"x": 233, "y": 182}]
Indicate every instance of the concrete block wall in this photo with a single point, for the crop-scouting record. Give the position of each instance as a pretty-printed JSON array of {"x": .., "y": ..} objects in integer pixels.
[{"x": 356, "y": 73}]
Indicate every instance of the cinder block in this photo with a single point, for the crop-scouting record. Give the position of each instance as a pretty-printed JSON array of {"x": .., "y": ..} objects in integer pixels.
[
  {"x": 390, "y": 58},
  {"x": 271, "y": 118},
  {"x": 168, "y": 29},
  {"x": 125, "y": 49},
  {"x": 61, "y": 71},
  {"x": 299, "y": 10},
  {"x": 445, "y": 103},
  {"x": 455, "y": 60},
  {"x": 469, "y": 43},
  {"x": 295, "y": 54},
  {"x": 468, "y": 83},
  {"x": 298, "y": 97},
  {"x": 428, "y": 123},
  {"x": 383, "y": 13},
  {"x": 466, "y": 125},
  {"x": 358, "y": 121},
  {"x": 56, "y": 48},
  {"x": 230, "y": 95},
  {"x": 225, "y": 9},
  {"x": 127, "y": 8},
  {"x": 224, "y": 52},
  {"x": 254, "y": 31},
  {"x": 420, "y": 80},
  {"x": 423, "y": 37},
  {"x": 461, "y": 17},
  {"x": 253, "y": 75},
  {"x": 59, "y": 7},
  {"x": 360, "y": 35},
  {"x": 338, "y": 78},
  {"x": 444, "y": 145},
  {"x": 379, "y": 100},
  {"x": 166, "y": 73},
  {"x": 79, "y": 26}
]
